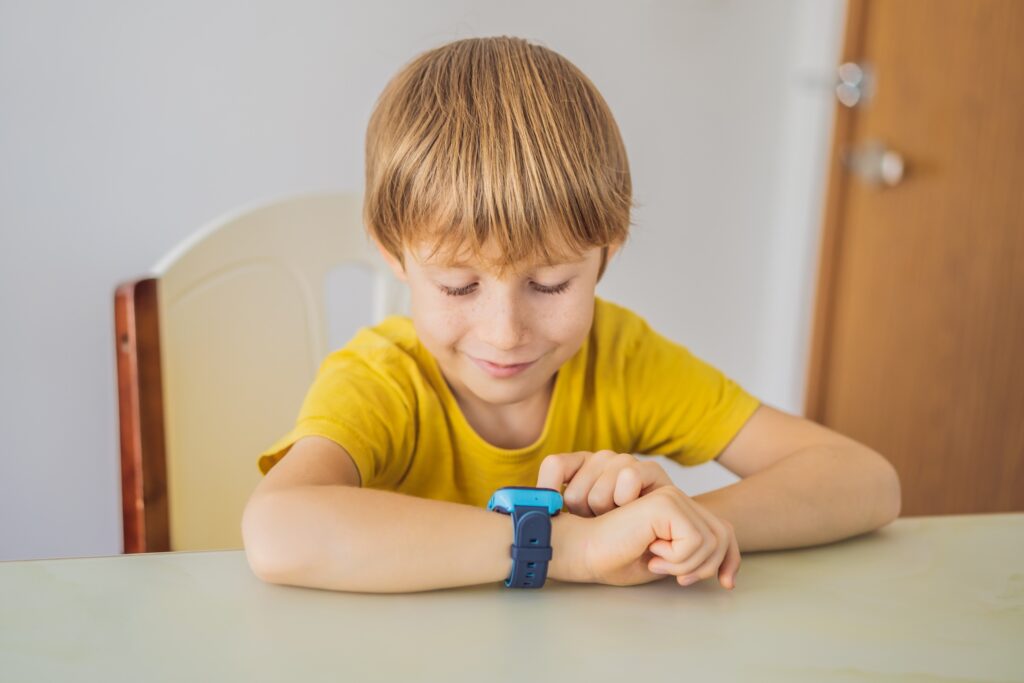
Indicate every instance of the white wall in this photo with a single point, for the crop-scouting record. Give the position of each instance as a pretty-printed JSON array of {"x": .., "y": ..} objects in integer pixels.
[{"x": 124, "y": 127}]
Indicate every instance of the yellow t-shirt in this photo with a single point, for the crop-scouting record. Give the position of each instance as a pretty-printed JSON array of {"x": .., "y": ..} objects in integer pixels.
[{"x": 628, "y": 389}]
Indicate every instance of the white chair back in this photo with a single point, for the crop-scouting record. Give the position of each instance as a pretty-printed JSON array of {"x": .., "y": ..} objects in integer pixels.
[{"x": 244, "y": 324}]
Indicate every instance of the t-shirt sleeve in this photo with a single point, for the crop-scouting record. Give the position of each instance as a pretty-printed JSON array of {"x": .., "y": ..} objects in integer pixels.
[
  {"x": 365, "y": 409},
  {"x": 679, "y": 405}
]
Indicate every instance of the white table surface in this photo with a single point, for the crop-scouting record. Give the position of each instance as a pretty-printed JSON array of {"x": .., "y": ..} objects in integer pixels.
[{"x": 923, "y": 599}]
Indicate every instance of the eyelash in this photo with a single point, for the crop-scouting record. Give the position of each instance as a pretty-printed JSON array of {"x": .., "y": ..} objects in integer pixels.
[{"x": 462, "y": 291}]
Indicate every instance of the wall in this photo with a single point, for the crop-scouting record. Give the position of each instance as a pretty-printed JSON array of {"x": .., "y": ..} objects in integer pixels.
[{"x": 124, "y": 127}]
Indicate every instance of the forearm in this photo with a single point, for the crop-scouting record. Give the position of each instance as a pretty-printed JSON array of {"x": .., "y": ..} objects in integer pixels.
[
  {"x": 813, "y": 496},
  {"x": 366, "y": 540}
]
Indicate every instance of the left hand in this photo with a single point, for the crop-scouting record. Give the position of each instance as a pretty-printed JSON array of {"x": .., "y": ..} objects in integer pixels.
[{"x": 601, "y": 481}]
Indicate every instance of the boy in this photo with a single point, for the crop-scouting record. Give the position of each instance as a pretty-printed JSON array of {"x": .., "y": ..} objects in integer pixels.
[{"x": 498, "y": 189}]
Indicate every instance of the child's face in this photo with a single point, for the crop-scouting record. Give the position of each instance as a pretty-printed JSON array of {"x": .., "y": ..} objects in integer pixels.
[{"x": 466, "y": 316}]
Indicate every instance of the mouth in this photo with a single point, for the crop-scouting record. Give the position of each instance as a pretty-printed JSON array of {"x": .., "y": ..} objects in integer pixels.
[{"x": 501, "y": 370}]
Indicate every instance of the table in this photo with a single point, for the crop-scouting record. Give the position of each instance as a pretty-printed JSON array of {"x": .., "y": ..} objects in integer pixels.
[{"x": 923, "y": 599}]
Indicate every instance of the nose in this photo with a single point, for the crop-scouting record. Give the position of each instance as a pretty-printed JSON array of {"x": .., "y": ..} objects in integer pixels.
[{"x": 502, "y": 322}]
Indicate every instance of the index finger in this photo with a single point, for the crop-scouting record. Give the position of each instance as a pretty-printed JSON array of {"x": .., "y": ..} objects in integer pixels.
[
  {"x": 557, "y": 469},
  {"x": 633, "y": 482}
]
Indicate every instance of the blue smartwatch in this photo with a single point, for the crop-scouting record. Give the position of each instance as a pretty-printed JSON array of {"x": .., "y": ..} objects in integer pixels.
[{"x": 531, "y": 510}]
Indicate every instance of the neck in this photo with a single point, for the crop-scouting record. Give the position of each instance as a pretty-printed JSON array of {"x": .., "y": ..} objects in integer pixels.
[{"x": 511, "y": 426}]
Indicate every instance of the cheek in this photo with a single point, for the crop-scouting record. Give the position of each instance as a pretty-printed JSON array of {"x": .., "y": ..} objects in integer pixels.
[
  {"x": 568, "y": 319},
  {"x": 578, "y": 324},
  {"x": 439, "y": 321}
]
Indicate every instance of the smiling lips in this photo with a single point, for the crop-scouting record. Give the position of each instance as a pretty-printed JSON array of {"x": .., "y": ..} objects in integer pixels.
[{"x": 501, "y": 371}]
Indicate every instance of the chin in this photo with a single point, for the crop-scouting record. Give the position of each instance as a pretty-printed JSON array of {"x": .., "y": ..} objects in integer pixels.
[{"x": 501, "y": 394}]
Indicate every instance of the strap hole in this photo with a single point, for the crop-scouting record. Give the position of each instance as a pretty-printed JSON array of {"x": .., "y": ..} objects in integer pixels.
[
  {"x": 534, "y": 540},
  {"x": 531, "y": 565}
]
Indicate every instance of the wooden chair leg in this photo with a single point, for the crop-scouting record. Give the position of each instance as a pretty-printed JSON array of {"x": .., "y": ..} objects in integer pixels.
[{"x": 140, "y": 406}]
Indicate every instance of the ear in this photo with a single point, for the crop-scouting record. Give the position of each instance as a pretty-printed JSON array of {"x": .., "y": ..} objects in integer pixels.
[{"x": 396, "y": 267}]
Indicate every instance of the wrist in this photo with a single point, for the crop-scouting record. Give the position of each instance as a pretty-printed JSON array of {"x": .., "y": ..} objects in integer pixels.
[{"x": 569, "y": 534}]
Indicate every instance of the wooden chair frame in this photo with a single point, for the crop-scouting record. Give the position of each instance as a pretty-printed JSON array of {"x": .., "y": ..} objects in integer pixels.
[
  {"x": 285, "y": 250},
  {"x": 143, "y": 460}
]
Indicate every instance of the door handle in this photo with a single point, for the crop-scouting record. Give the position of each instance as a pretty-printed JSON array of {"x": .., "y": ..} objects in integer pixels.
[{"x": 875, "y": 164}]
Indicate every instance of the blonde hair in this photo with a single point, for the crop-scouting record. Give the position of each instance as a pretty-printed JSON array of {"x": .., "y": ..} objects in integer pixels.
[{"x": 495, "y": 138}]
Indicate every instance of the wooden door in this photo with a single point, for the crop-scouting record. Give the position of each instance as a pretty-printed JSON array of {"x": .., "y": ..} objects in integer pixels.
[{"x": 918, "y": 347}]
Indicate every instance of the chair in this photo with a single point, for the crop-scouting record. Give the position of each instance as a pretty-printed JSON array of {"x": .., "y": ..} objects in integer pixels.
[{"x": 216, "y": 349}]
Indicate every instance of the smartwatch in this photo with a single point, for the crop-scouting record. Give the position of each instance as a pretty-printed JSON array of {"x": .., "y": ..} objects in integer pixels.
[{"x": 531, "y": 510}]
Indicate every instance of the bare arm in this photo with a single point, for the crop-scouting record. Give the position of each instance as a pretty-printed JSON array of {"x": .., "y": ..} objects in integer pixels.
[
  {"x": 309, "y": 524},
  {"x": 803, "y": 484}
]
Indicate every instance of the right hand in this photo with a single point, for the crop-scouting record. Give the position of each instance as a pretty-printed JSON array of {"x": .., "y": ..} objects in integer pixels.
[
  {"x": 664, "y": 528},
  {"x": 598, "y": 482}
]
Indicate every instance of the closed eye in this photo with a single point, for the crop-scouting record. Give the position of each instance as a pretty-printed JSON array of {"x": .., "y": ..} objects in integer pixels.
[
  {"x": 462, "y": 291},
  {"x": 556, "y": 289}
]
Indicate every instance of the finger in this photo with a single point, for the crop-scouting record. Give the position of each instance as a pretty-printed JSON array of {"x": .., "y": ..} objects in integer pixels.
[
  {"x": 602, "y": 496},
  {"x": 652, "y": 476},
  {"x": 731, "y": 565},
  {"x": 577, "y": 491},
  {"x": 624, "y": 480},
  {"x": 559, "y": 468},
  {"x": 635, "y": 479},
  {"x": 687, "y": 529},
  {"x": 629, "y": 482},
  {"x": 706, "y": 570},
  {"x": 697, "y": 558},
  {"x": 711, "y": 565}
]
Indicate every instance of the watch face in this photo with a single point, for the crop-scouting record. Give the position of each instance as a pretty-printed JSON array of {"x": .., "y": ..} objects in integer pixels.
[{"x": 504, "y": 499}]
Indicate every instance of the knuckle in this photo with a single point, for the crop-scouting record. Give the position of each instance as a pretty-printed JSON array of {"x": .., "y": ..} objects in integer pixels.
[
  {"x": 664, "y": 505},
  {"x": 653, "y": 470},
  {"x": 723, "y": 531},
  {"x": 667, "y": 495},
  {"x": 628, "y": 471},
  {"x": 572, "y": 497},
  {"x": 673, "y": 494},
  {"x": 692, "y": 544},
  {"x": 687, "y": 548},
  {"x": 718, "y": 530}
]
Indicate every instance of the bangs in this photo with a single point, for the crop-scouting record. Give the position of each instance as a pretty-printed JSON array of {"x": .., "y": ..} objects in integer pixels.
[{"x": 463, "y": 244}]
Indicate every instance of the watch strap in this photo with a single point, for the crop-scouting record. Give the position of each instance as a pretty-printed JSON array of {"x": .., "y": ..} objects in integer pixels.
[{"x": 531, "y": 546}]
